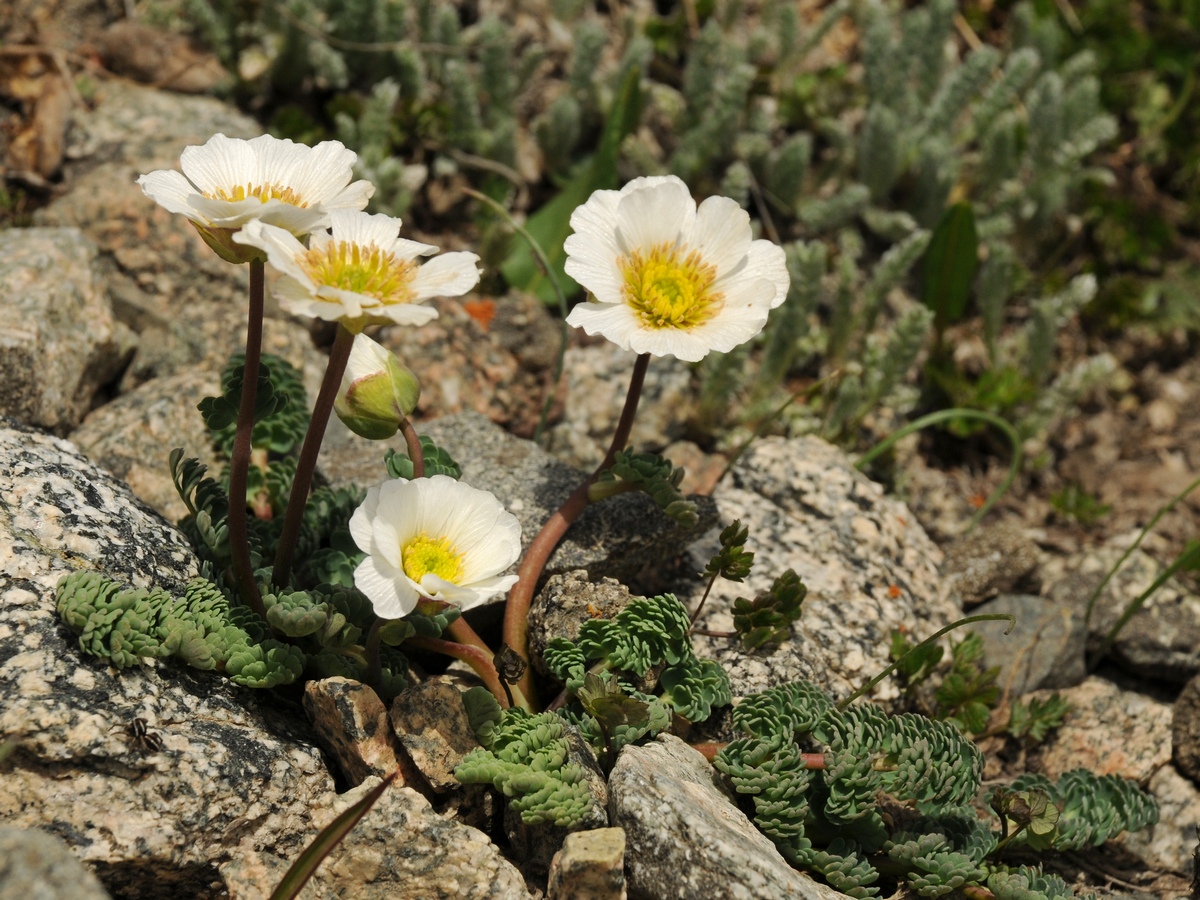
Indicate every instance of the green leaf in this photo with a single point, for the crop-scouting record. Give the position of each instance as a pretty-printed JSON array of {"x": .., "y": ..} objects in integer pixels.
[
  {"x": 325, "y": 842},
  {"x": 950, "y": 264},
  {"x": 604, "y": 699},
  {"x": 551, "y": 224}
]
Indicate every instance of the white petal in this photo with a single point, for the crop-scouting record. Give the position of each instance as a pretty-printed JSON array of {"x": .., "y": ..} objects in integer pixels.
[
  {"x": 400, "y": 314},
  {"x": 598, "y": 218},
  {"x": 721, "y": 234},
  {"x": 222, "y": 163},
  {"x": 391, "y": 598},
  {"x": 315, "y": 174},
  {"x": 170, "y": 190},
  {"x": 448, "y": 275},
  {"x": 353, "y": 196},
  {"x": 658, "y": 211},
  {"x": 405, "y": 250},
  {"x": 592, "y": 261},
  {"x": 354, "y": 227},
  {"x": 360, "y": 521},
  {"x": 768, "y": 261}
]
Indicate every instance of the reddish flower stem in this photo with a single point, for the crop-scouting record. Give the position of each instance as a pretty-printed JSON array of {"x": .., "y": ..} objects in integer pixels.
[
  {"x": 239, "y": 462},
  {"x": 516, "y": 613},
  {"x": 479, "y": 660},
  {"x": 306, "y": 465},
  {"x": 415, "y": 452}
]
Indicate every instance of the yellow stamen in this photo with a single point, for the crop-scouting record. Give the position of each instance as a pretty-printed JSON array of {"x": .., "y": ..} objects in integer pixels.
[
  {"x": 669, "y": 288},
  {"x": 423, "y": 555},
  {"x": 263, "y": 192},
  {"x": 363, "y": 269}
]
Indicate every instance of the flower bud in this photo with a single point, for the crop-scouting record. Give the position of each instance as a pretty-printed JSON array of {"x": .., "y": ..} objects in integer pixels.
[{"x": 377, "y": 391}]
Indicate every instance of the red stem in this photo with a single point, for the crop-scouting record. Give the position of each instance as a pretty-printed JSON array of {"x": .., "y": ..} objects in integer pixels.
[
  {"x": 477, "y": 659},
  {"x": 415, "y": 451},
  {"x": 239, "y": 462},
  {"x": 516, "y": 613},
  {"x": 306, "y": 465}
]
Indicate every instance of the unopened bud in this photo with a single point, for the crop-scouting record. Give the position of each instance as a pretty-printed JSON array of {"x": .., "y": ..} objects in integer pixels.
[{"x": 377, "y": 392}]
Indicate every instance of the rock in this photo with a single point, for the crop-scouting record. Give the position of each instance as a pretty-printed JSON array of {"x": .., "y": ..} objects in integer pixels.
[
  {"x": 1108, "y": 731},
  {"x": 1044, "y": 649},
  {"x": 431, "y": 725},
  {"x": 134, "y": 434},
  {"x": 565, "y": 603},
  {"x": 231, "y": 770},
  {"x": 868, "y": 565},
  {"x": 1162, "y": 639},
  {"x": 590, "y": 866},
  {"x": 616, "y": 538},
  {"x": 400, "y": 850},
  {"x": 1185, "y": 730},
  {"x": 352, "y": 725},
  {"x": 684, "y": 837},
  {"x": 154, "y": 56},
  {"x": 1168, "y": 845},
  {"x": 59, "y": 342},
  {"x": 597, "y": 377},
  {"x": 39, "y": 866},
  {"x": 989, "y": 561}
]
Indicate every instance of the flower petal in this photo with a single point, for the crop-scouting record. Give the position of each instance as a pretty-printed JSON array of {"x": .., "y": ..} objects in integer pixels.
[
  {"x": 448, "y": 275},
  {"x": 653, "y": 211},
  {"x": 721, "y": 234},
  {"x": 170, "y": 190},
  {"x": 221, "y": 163}
]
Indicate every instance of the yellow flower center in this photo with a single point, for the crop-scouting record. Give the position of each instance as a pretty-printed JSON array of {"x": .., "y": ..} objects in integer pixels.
[
  {"x": 669, "y": 288},
  {"x": 423, "y": 555},
  {"x": 263, "y": 192},
  {"x": 361, "y": 269}
]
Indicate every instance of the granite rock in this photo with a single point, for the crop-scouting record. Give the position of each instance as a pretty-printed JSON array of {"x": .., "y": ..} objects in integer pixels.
[
  {"x": 1045, "y": 648},
  {"x": 36, "y": 865},
  {"x": 59, "y": 342},
  {"x": 431, "y": 725},
  {"x": 988, "y": 561},
  {"x": 1162, "y": 639},
  {"x": 567, "y": 601},
  {"x": 685, "y": 839},
  {"x": 590, "y": 866},
  {"x": 1185, "y": 730},
  {"x": 868, "y": 565},
  {"x": 351, "y": 723},
  {"x": 617, "y": 538}
]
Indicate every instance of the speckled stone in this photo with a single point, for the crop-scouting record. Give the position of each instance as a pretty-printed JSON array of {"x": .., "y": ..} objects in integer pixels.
[
  {"x": 1185, "y": 730},
  {"x": 616, "y": 538},
  {"x": 991, "y": 560},
  {"x": 59, "y": 342},
  {"x": 590, "y": 866},
  {"x": 35, "y": 865},
  {"x": 1162, "y": 640},
  {"x": 1108, "y": 731},
  {"x": 868, "y": 565},
  {"x": 351, "y": 723},
  {"x": 431, "y": 725},
  {"x": 133, "y": 435},
  {"x": 231, "y": 768},
  {"x": 565, "y": 603},
  {"x": 1168, "y": 845},
  {"x": 685, "y": 839},
  {"x": 597, "y": 375},
  {"x": 400, "y": 850}
]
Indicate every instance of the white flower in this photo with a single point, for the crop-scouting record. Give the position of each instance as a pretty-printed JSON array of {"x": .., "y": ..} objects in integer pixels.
[
  {"x": 228, "y": 182},
  {"x": 378, "y": 391},
  {"x": 667, "y": 278},
  {"x": 436, "y": 538},
  {"x": 362, "y": 273}
]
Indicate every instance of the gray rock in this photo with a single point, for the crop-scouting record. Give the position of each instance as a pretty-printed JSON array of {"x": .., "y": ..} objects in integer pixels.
[
  {"x": 35, "y": 865},
  {"x": 684, "y": 837},
  {"x": 431, "y": 725},
  {"x": 1044, "y": 650},
  {"x": 565, "y": 603},
  {"x": 590, "y": 866},
  {"x": 1185, "y": 730},
  {"x": 1162, "y": 640},
  {"x": 59, "y": 342},
  {"x": 597, "y": 376},
  {"x": 617, "y": 538},
  {"x": 991, "y": 560},
  {"x": 400, "y": 850},
  {"x": 351, "y": 723},
  {"x": 868, "y": 565}
]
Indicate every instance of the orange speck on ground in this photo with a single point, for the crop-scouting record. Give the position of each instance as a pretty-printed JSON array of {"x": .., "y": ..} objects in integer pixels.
[
  {"x": 977, "y": 501},
  {"x": 893, "y": 591},
  {"x": 482, "y": 311}
]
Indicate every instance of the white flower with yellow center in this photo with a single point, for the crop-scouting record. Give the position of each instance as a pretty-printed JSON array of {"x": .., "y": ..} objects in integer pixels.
[
  {"x": 228, "y": 182},
  {"x": 436, "y": 538},
  {"x": 362, "y": 273},
  {"x": 668, "y": 278}
]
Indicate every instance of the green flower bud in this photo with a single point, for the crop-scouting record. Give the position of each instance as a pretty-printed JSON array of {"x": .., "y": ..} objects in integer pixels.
[{"x": 377, "y": 393}]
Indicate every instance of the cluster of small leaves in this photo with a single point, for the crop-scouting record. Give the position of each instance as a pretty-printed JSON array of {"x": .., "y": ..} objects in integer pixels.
[
  {"x": 438, "y": 461},
  {"x": 647, "y": 648},
  {"x": 896, "y": 792},
  {"x": 280, "y": 406},
  {"x": 967, "y": 694},
  {"x": 652, "y": 474},
  {"x": 768, "y": 618},
  {"x": 733, "y": 561},
  {"x": 526, "y": 758}
]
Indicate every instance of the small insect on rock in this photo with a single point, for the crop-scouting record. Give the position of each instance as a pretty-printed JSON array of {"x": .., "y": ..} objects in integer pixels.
[{"x": 141, "y": 737}]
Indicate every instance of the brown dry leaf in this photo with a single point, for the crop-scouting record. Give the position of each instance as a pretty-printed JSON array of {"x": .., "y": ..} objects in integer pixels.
[
  {"x": 161, "y": 58},
  {"x": 36, "y": 138}
]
